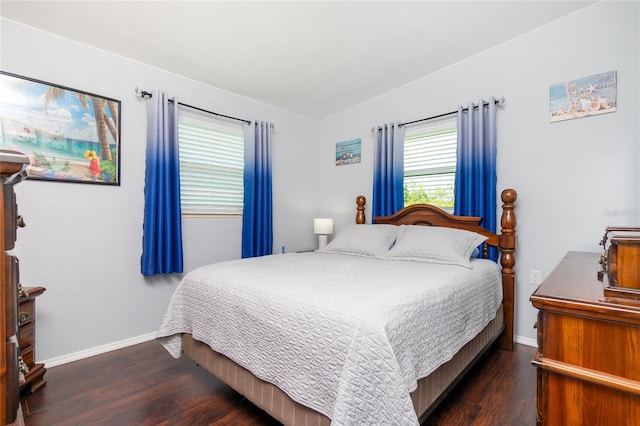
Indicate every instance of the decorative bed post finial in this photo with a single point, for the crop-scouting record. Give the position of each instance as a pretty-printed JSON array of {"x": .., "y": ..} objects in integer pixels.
[
  {"x": 508, "y": 231},
  {"x": 360, "y": 202},
  {"x": 508, "y": 261}
]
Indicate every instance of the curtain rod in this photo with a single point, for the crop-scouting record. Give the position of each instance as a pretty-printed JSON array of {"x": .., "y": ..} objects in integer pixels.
[
  {"x": 499, "y": 101},
  {"x": 144, "y": 93}
]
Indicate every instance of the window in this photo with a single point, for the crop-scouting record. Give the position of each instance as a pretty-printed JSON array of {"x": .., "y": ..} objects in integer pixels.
[
  {"x": 430, "y": 165},
  {"x": 211, "y": 166}
]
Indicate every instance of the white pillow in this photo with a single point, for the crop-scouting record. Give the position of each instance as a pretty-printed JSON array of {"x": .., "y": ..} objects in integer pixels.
[
  {"x": 435, "y": 245},
  {"x": 363, "y": 240}
]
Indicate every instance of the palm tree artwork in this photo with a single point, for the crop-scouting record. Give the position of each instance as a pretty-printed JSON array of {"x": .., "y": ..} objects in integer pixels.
[
  {"x": 68, "y": 135},
  {"x": 105, "y": 125}
]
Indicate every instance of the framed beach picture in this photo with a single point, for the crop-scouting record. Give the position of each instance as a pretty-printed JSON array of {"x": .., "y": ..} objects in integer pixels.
[
  {"x": 69, "y": 135},
  {"x": 583, "y": 97},
  {"x": 348, "y": 152}
]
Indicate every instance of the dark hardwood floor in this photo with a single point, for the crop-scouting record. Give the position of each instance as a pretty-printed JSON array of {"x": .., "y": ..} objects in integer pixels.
[{"x": 144, "y": 385}]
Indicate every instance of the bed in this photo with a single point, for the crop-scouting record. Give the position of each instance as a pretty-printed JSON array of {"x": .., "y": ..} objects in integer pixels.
[{"x": 365, "y": 331}]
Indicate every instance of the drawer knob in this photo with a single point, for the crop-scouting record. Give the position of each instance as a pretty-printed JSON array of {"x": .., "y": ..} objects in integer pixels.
[
  {"x": 24, "y": 369},
  {"x": 535, "y": 325},
  {"x": 20, "y": 223},
  {"x": 24, "y": 317}
]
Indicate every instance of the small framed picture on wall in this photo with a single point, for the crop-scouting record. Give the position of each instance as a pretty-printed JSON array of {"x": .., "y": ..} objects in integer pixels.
[
  {"x": 583, "y": 97},
  {"x": 348, "y": 152}
]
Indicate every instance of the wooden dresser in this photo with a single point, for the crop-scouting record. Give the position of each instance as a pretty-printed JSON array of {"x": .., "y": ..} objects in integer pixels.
[
  {"x": 588, "y": 358},
  {"x": 11, "y": 164},
  {"x": 33, "y": 372}
]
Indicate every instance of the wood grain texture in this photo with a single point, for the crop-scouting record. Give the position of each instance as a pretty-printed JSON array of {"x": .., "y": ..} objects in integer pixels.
[
  {"x": 624, "y": 258},
  {"x": 9, "y": 374},
  {"x": 144, "y": 385},
  {"x": 34, "y": 379},
  {"x": 588, "y": 356},
  {"x": 4, "y": 335}
]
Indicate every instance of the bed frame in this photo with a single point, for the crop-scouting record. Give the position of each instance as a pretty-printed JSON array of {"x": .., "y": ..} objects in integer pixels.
[{"x": 432, "y": 389}]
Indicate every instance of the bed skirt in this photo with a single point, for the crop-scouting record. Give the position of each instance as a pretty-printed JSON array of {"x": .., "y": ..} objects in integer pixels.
[{"x": 430, "y": 391}]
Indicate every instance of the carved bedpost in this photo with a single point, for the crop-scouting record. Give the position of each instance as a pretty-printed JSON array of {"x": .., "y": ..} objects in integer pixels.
[
  {"x": 508, "y": 261},
  {"x": 360, "y": 202}
]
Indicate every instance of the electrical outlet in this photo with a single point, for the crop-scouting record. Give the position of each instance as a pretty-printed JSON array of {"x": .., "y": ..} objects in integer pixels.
[{"x": 535, "y": 277}]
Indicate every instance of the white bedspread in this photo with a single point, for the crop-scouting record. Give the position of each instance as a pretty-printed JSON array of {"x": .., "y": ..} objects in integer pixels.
[{"x": 347, "y": 336}]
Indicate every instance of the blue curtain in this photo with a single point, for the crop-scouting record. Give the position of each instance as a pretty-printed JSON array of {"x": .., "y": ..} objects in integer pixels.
[
  {"x": 388, "y": 169},
  {"x": 162, "y": 226},
  {"x": 475, "y": 185},
  {"x": 257, "y": 216}
]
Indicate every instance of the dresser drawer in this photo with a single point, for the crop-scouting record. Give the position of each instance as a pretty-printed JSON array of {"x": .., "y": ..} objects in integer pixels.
[
  {"x": 13, "y": 382},
  {"x": 10, "y": 214},
  {"x": 11, "y": 292},
  {"x": 26, "y": 335},
  {"x": 27, "y": 356},
  {"x": 26, "y": 312},
  {"x": 624, "y": 262}
]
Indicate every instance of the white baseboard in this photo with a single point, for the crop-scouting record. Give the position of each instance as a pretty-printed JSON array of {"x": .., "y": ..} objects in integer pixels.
[
  {"x": 526, "y": 341},
  {"x": 52, "y": 362}
]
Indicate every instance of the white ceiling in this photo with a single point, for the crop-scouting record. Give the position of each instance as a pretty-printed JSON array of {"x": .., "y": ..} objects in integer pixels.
[{"x": 316, "y": 58}]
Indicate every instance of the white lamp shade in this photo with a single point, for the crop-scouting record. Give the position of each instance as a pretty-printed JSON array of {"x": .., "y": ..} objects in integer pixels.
[{"x": 323, "y": 226}]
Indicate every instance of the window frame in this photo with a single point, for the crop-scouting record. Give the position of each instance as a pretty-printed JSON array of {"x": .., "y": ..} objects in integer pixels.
[
  {"x": 209, "y": 122},
  {"x": 433, "y": 127}
]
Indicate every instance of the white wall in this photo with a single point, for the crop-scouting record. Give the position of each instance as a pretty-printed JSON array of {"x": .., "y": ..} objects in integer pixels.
[
  {"x": 83, "y": 242},
  {"x": 573, "y": 178}
]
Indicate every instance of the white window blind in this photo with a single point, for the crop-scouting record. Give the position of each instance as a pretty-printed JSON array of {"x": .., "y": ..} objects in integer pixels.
[
  {"x": 211, "y": 167},
  {"x": 430, "y": 168}
]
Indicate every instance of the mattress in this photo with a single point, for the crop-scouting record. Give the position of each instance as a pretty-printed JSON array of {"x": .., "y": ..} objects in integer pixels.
[
  {"x": 279, "y": 405},
  {"x": 347, "y": 336}
]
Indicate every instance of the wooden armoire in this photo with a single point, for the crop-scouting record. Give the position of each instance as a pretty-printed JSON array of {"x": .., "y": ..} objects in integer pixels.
[{"x": 12, "y": 165}]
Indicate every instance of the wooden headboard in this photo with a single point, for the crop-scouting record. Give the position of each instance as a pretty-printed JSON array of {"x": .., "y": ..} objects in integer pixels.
[{"x": 505, "y": 241}]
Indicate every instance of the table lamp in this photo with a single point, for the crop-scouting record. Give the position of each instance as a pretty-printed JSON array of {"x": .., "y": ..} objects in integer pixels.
[{"x": 323, "y": 227}]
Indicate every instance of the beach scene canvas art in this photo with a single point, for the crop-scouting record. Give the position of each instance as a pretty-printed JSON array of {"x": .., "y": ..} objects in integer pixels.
[
  {"x": 584, "y": 97},
  {"x": 348, "y": 152},
  {"x": 68, "y": 135}
]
